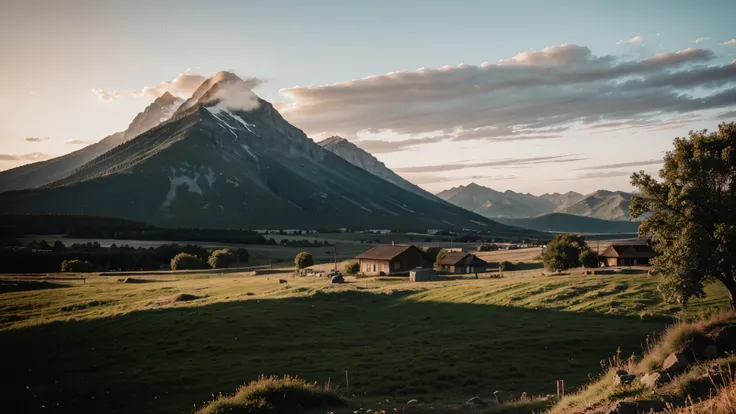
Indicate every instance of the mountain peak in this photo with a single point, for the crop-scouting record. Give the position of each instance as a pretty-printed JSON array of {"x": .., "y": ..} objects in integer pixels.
[{"x": 333, "y": 140}]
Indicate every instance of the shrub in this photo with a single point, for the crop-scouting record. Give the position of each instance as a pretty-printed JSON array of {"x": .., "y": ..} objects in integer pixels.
[
  {"x": 352, "y": 268},
  {"x": 303, "y": 260},
  {"x": 589, "y": 258},
  {"x": 506, "y": 266},
  {"x": 275, "y": 395},
  {"x": 76, "y": 266},
  {"x": 186, "y": 261},
  {"x": 222, "y": 258},
  {"x": 442, "y": 253},
  {"x": 243, "y": 255}
]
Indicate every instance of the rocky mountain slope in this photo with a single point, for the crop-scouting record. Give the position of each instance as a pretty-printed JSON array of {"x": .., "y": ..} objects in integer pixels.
[
  {"x": 495, "y": 204},
  {"x": 563, "y": 200},
  {"x": 41, "y": 173},
  {"x": 568, "y": 223},
  {"x": 360, "y": 158},
  {"x": 602, "y": 204},
  {"x": 227, "y": 159}
]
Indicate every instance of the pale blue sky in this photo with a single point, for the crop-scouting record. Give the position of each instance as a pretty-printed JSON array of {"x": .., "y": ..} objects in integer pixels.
[{"x": 56, "y": 52}]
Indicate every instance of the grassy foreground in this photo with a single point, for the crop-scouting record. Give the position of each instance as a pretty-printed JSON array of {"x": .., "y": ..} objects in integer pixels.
[{"x": 170, "y": 344}]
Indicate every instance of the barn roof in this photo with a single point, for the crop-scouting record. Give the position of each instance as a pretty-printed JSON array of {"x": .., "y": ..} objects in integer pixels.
[
  {"x": 385, "y": 252},
  {"x": 633, "y": 249},
  {"x": 460, "y": 258}
]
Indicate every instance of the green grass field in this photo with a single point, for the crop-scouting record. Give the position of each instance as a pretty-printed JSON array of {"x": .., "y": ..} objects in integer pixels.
[{"x": 105, "y": 346}]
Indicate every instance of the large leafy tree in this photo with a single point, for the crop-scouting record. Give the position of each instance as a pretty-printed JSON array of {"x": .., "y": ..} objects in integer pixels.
[
  {"x": 691, "y": 214},
  {"x": 563, "y": 252}
]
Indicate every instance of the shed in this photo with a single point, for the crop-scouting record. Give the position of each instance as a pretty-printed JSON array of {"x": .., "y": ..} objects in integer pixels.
[
  {"x": 628, "y": 253},
  {"x": 391, "y": 259},
  {"x": 422, "y": 274},
  {"x": 462, "y": 262}
]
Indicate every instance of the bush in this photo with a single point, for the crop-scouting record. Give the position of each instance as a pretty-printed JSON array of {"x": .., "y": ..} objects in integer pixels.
[
  {"x": 222, "y": 258},
  {"x": 506, "y": 266},
  {"x": 442, "y": 253},
  {"x": 352, "y": 268},
  {"x": 243, "y": 255},
  {"x": 76, "y": 266},
  {"x": 186, "y": 261},
  {"x": 303, "y": 260},
  {"x": 563, "y": 252},
  {"x": 275, "y": 395},
  {"x": 589, "y": 258}
]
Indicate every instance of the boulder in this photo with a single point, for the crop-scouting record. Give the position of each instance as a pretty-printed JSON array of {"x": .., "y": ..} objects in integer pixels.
[
  {"x": 710, "y": 352},
  {"x": 476, "y": 402},
  {"x": 724, "y": 338},
  {"x": 676, "y": 363},
  {"x": 654, "y": 379},
  {"x": 696, "y": 348},
  {"x": 623, "y": 378}
]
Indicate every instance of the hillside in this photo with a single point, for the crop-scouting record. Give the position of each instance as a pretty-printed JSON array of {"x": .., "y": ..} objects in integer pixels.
[
  {"x": 41, "y": 173},
  {"x": 361, "y": 158},
  {"x": 494, "y": 204},
  {"x": 568, "y": 223},
  {"x": 563, "y": 201},
  {"x": 602, "y": 204},
  {"x": 227, "y": 159}
]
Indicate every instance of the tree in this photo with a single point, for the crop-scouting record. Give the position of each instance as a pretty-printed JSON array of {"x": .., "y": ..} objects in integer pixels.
[
  {"x": 689, "y": 214},
  {"x": 589, "y": 258},
  {"x": 563, "y": 252},
  {"x": 303, "y": 260},
  {"x": 220, "y": 259},
  {"x": 442, "y": 253},
  {"x": 352, "y": 268},
  {"x": 76, "y": 266},
  {"x": 243, "y": 255},
  {"x": 186, "y": 261},
  {"x": 59, "y": 246}
]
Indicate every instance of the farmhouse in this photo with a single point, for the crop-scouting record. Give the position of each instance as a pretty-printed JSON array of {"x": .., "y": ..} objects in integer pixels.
[
  {"x": 462, "y": 262},
  {"x": 628, "y": 253},
  {"x": 391, "y": 259}
]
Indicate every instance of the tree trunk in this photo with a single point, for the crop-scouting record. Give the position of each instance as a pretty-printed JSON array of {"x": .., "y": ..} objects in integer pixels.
[{"x": 730, "y": 284}]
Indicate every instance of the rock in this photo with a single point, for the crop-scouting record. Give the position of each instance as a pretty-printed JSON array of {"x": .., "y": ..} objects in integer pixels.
[
  {"x": 676, "y": 363},
  {"x": 412, "y": 402},
  {"x": 337, "y": 279},
  {"x": 724, "y": 339},
  {"x": 695, "y": 349},
  {"x": 636, "y": 407},
  {"x": 476, "y": 402},
  {"x": 623, "y": 378},
  {"x": 654, "y": 379},
  {"x": 710, "y": 352}
]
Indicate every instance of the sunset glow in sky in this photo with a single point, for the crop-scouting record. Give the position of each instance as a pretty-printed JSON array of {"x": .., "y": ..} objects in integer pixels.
[{"x": 532, "y": 96}]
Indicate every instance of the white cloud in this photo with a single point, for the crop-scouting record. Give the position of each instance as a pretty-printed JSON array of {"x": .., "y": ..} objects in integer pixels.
[
  {"x": 730, "y": 42},
  {"x": 533, "y": 95},
  {"x": 182, "y": 86},
  {"x": 701, "y": 39},
  {"x": 636, "y": 40},
  {"x": 77, "y": 142}
]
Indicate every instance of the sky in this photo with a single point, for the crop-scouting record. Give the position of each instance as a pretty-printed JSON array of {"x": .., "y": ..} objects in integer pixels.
[{"x": 531, "y": 96}]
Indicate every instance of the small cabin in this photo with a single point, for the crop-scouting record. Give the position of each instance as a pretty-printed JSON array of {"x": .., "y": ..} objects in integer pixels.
[
  {"x": 462, "y": 262},
  {"x": 391, "y": 259},
  {"x": 628, "y": 253}
]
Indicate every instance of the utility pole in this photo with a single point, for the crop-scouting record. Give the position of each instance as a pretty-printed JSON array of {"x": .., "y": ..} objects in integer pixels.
[{"x": 334, "y": 251}]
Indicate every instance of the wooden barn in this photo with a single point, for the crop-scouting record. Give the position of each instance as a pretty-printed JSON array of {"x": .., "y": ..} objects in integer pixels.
[
  {"x": 391, "y": 259},
  {"x": 462, "y": 262},
  {"x": 628, "y": 253}
]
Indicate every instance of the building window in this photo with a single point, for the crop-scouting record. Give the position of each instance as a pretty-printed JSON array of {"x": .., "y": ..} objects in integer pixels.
[{"x": 374, "y": 267}]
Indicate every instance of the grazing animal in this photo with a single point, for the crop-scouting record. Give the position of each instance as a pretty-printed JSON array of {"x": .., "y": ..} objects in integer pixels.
[{"x": 283, "y": 281}]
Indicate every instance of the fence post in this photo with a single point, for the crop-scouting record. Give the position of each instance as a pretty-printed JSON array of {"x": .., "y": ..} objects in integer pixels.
[{"x": 347, "y": 382}]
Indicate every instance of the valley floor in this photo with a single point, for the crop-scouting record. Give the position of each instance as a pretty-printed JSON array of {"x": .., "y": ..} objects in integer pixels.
[{"x": 168, "y": 343}]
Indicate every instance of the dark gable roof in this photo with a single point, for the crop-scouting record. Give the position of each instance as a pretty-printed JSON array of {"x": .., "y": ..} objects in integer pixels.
[
  {"x": 384, "y": 252},
  {"x": 455, "y": 258},
  {"x": 630, "y": 249}
]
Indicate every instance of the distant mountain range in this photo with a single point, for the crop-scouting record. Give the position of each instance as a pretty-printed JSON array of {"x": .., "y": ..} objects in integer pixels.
[
  {"x": 563, "y": 201},
  {"x": 602, "y": 204},
  {"x": 227, "y": 159},
  {"x": 41, "y": 173},
  {"x": 561, "y": 223}
]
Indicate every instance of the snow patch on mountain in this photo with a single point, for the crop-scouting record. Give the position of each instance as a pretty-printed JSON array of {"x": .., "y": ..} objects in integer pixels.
[{"x": 178, "y": 180}]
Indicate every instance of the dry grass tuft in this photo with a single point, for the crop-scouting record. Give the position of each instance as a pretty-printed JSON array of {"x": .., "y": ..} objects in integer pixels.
[{"x": 275, "y": 395}]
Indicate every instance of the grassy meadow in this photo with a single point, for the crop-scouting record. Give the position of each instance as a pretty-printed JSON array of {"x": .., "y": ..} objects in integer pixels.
[{"x": 170, "y": 342}]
